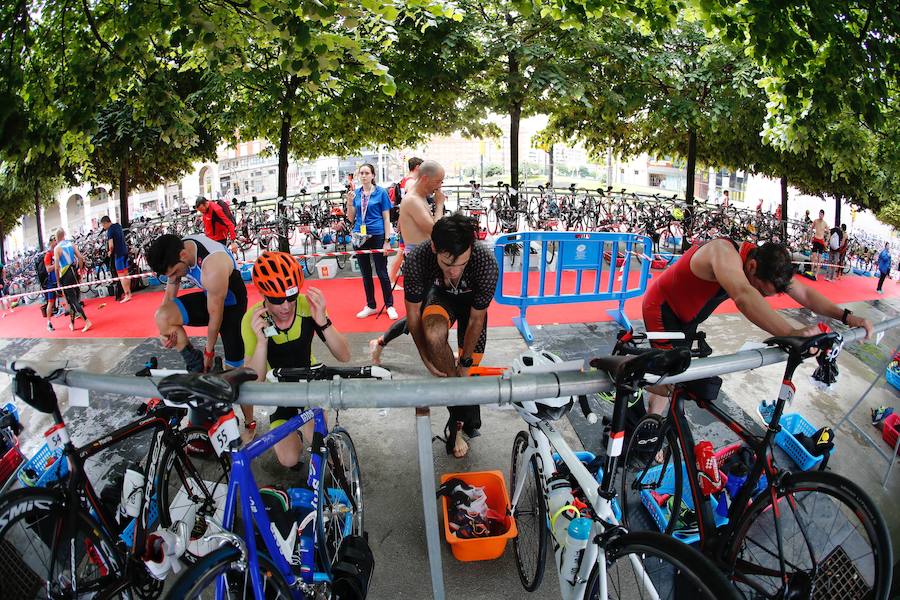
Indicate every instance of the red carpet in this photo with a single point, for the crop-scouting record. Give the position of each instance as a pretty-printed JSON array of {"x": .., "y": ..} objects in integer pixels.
[{"x": 345, "y": 298}]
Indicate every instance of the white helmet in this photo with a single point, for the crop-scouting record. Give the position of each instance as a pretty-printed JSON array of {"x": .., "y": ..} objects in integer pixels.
[{"x": 545, "y": 409}]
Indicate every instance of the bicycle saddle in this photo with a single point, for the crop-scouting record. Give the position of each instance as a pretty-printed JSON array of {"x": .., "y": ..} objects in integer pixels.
[
  {"x": 624, "y": 369},
  {"x": 800, "y": 345},
  {"x": 205, "y": 390}
]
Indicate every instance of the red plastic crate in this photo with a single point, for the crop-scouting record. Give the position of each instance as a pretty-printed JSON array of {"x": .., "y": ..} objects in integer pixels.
[
  {"x": 10, "y": 462},
  {"x": 889, "y": 429}
]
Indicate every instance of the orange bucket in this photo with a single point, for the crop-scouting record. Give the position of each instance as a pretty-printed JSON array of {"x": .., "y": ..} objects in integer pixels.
[{"x": 486, "y": 548}]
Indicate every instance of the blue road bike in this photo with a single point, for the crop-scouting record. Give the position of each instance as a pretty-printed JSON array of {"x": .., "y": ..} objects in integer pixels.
[{"x": 325, "y": 555}]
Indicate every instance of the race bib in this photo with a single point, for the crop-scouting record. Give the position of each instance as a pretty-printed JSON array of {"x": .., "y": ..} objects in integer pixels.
[
  {"x": 56, "y": 437},
  {"x": 223, "y": 432}
]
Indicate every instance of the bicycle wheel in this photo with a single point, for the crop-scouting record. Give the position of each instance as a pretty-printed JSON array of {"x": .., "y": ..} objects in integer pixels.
[
  {"x": 193, "y": 482},
  {"x": 492, "y": 221},
  {"x": 834, "y": 542},
  {"x": 41, "y": 558},
  {"x": 652, "y": 565},
  {"x": 651, "y": 465},
  {"x": 199, "y": 581},
  {"x": 341, "y": 503},
  {"x": 530, "y": 546},
  {"x": 309, "y": 247},
  {"x": 341, "y": 246},
  {"x": 551, "y": 252}
]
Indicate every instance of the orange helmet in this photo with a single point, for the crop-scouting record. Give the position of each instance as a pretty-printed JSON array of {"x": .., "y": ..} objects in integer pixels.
[{"x": 277, "y": 275}]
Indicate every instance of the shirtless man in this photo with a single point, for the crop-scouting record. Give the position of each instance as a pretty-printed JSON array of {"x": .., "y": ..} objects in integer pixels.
[
  {"x": 416, "y": 222},
  {"x": 414, "y": 163},
  {"x": 820, "y": 227}
]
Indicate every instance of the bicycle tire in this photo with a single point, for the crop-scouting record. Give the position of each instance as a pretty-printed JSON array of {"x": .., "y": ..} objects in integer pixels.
[
  {"x": 309, "y": 247},
  {"x": 199, "y": 580},
  {"x": 330, "y": 530},
  {"x": 551, "y": 252},
  {"x": 797, "y": 489},
  {"x": 685, "y": 567},
  {"x": 637, "y": 473},
  {"x": 28, "y": 520},
  {"x": 492, "y": 220},
  {"x": 341, "y": 259},
  {"x": 530, "y": 575},
  {"x": 180, "y": 498}
]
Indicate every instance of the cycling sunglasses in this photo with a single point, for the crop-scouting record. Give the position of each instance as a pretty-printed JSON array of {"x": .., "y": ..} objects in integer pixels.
[{"x": 277, "y": 301}]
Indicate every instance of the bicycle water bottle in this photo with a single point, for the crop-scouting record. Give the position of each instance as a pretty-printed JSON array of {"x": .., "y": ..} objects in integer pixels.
[
  {"x": 559, "y": 495},
  {"x": 302, "y": 504},
  {"x": 132, "y": 491},
  {"x": 711, "y": 481},
  {"x": 577, "y": 535}
]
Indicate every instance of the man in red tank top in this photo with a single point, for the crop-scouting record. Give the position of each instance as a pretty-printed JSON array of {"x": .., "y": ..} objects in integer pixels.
[{"x": 685, "y": 295}]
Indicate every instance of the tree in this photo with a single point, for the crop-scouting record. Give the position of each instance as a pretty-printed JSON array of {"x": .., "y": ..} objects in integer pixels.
[{"x": 22, "y": 190}]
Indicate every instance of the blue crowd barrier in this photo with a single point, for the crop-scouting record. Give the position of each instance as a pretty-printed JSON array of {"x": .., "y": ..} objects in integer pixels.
[{"x": 590, "y": 255}]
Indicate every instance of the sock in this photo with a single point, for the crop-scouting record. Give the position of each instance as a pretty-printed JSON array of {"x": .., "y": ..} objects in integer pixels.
[{"x": 193, "y": 359}]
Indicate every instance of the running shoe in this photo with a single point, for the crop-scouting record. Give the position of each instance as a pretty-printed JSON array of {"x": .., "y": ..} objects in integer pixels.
[
  {"x": 49, "y": 326},
  {"x": 766, "y": 412},
  {"x": 686, "y": 522},
  {"x": 392, "y": 313},
  {"x": 365, "y": 312},
  {"x": 880, "y": 414}
]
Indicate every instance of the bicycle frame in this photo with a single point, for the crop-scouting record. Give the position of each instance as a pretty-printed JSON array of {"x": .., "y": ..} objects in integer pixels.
[
  {"x": 544, "y": 439},
  {"x": 251, "y": 503}
]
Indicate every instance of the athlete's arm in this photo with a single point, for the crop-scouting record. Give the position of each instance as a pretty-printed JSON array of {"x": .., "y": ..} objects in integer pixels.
[
  {"x": 109, "y": 246},
  {"x": 216, "y": 271},
  {"x": 477, "y": 319},
  {"x": 79, "y": 256},
  {"x": 56, "y": 253},
  {"x": 824, "y": 307},
  {"x": 256, "y": 346},
  {"x": 388, "y": 231},
  {"x": 728, "y": 269},
  {"x": 417, "y": 331}
]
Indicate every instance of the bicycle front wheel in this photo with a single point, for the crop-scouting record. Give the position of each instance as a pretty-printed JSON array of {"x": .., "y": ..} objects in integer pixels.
[
  {"x": 200, "y": 580},
  {"x": 193, "y": 483},
  {"x": 43, "y": 556},
  {"x": 530, "y": 513},
  {"x": 833, "y": 542},
  {"x": 652, "y": 565},
  {"x": 341, "y": 503}
]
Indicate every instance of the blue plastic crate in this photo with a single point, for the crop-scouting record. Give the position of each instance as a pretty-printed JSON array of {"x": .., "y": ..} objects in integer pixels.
[
  {"x": 127, "y": 534},
  {"x": 587, "y": 457},
  {"x": 792, "y": 424},
  {"x": 11, "y": 408},
  {"x": 44, "y": 475},
  {"x": 893, "y": 377},
  {"x": 667, "y": 486},
  {"x": 246, "y": 272}
]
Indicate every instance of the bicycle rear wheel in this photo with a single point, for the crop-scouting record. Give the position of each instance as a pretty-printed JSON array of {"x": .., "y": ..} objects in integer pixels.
[
  {"x": 193, "y": 483},
  {"x": 834, "y": 542},
  {"x": 530, "y": 545},
  {"x": 652, "y": 565},
  {"x": 341, "y": 246},
  {"x": 41, "y": 558},
  {"x": 309, "y": 247},
  {"x": 199, "y": 581}
]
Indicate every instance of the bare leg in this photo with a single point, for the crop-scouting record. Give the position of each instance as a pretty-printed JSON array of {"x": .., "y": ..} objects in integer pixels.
[
  {"x": 375, "y": 348},
  {"x": 437, "y": 329},
  {"x": 126, "y": 287},
  {"x": 395, "y": 269}
]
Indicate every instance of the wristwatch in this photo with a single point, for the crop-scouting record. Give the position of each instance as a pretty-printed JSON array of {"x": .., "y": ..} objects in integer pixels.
[
  {"x": 465, "y": 362},
  {"x": 846, "y": 315},
  {"x": 326, "y": 325}
]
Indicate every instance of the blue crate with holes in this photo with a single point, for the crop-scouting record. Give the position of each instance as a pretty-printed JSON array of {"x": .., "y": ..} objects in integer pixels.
[
  {"x": 893, "y": 377},
  {"x": 246, "y": 272},
  {"x": 586, "y": 458},
  {"x": 791, "y": 425},
  {"x": 667, "y": 486},
  {"x": 44, "y": 475},
  {"x": 127, "y": 534}
]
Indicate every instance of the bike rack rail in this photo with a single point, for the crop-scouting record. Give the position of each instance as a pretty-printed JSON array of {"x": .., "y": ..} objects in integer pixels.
[
  {"x": 583, "y": 253},
  {"x": 422, "y": 394}
]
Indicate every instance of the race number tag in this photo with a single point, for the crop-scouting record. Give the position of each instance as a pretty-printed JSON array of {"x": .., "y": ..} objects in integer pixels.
[
  {"x": 56, "y": 437},
  {"x": 787, "y": 392},
  {"x": 223, "y": 432},
  {"x": 304, "y": 228}
]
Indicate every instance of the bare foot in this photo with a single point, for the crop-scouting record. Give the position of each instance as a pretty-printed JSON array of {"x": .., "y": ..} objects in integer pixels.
[
  {"x": 87, "y": 325},
  {"x": 375, "y": 349},
  {"x": 461, "y": 448},
  {"x": 125, "y": 299}
]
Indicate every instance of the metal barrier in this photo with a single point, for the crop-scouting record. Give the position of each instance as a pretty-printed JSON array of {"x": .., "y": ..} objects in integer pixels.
[
  {"x": 583, "y": 253},
  {"x": 356, "y": 393}
]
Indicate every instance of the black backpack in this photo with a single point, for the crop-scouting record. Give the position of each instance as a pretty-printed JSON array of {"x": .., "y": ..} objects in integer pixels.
[
  {"x": 227, "y": 210},
  {"x": 41, "y": 270},
  {"x": 395, "y": 193}
]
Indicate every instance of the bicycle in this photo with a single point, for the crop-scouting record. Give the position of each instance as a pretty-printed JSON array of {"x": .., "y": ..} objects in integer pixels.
[
  {"x": 777, "y": 541},
  {"x": 66, "y": 541},
  {"x": 613, "y": 561},
  {"x": 305, "y": 566}
]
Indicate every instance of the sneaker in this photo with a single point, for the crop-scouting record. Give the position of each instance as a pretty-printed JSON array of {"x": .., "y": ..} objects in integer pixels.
[
  {"x": 880, "y": 414},
  {"x": 392, "y": 313},
  {"x": 766, "y": 412},
  {"x": 49, "y": 326},
  {"x": 365, "y": 312},
  {"x": 879, "y": 291}
]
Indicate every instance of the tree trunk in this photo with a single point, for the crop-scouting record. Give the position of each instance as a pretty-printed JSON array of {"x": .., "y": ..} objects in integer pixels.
[
  {"x": 689, "y": 188},
  {"x": 552, "y": 167},
  {"x": 2, "y": 247},
  {"x": 837, "y": 212},
  {"x": 37, "y": 219},
  {"x": 784, "y": 209},
  {"x": 283, "y": 151},
  {"x": 123, "y": 195},
  {"x": 515, "y": 116}
]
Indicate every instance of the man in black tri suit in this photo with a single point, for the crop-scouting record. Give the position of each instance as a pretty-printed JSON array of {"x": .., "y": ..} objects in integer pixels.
[
  {"x": 219, "y": 305},
  {"x": 451, "y": 279}
]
